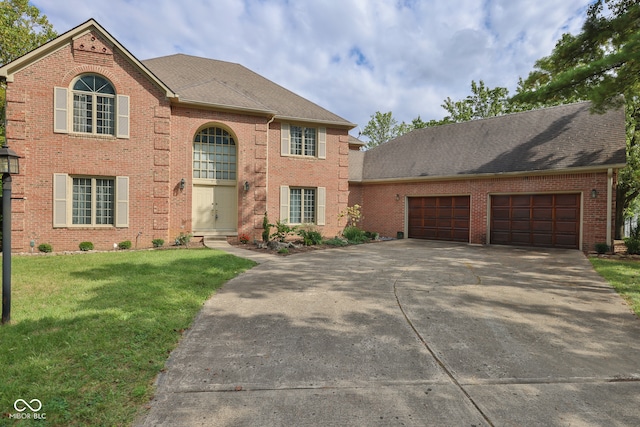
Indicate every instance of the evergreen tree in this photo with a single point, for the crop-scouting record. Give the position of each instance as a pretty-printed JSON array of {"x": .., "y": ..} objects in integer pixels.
[{"x": 600, "y": 64}]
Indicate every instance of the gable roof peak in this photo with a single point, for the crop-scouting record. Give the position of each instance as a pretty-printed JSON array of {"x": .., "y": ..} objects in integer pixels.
[{"x": 7, "y": 71}]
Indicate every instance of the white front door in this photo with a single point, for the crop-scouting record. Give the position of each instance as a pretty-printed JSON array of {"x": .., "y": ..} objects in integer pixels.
[{"x": 215, "y": 208}]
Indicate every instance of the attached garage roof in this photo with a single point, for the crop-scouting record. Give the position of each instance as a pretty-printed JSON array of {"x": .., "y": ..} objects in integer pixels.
[
  {"x": 557, "y": 138},
  {"x": 228, "y": 85}
]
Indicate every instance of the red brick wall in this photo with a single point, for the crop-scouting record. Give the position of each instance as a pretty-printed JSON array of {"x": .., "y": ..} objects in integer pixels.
[
  {"x": 30, "y": 134},
  {"x": 384, "y": 214},
  {"x": 156, "y": 157},
  {"x": 297, "y": 171}
]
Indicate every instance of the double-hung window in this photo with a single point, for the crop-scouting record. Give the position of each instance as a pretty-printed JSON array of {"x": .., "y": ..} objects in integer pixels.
[
  {"x": 90, "y": 201},
  {"x": 300, "y": 205},
  {"x": 93, "y": 105},
  {"x": 303, "y": 141},
  {"x": 93, "y": 201},
  {"x": 297, "y": 140}
]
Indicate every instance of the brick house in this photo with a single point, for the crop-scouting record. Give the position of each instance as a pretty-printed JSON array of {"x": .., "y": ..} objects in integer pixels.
[
  {"x": 114, "y": 148},
  {"x": 538, "y": 178}
]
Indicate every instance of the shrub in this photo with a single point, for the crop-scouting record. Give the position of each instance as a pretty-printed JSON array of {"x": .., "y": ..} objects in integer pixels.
[
  {"x": 372, "y": 235},
  {"x": 633, "y": 245},
  {"x": 602, "y": 248},
  {"x": 633, "y": 241},
  {"x": 125, "y": 244},
  {"x": 243, "y": 238},
  {"x": 86, "y": 246},
  {"x": 45, "y": 247},
  {"x": 157, "y": 243},
  {"x": 354, "y": 235},
  {"x": 353, "y": 215},
  {"x": 266, "y": 228},
  {"x": 283, "y": 230},
  {"x": 283, "y": 251},
  {"x": 183, "y": 239},
  {"x": 336, "y": 241},
  {"x": 310, "y": 236}
]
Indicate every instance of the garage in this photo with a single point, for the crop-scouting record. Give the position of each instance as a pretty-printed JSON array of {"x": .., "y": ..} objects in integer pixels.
[
  {"x": 439, "y": 218},
  {"x": 543, "y": 220}
]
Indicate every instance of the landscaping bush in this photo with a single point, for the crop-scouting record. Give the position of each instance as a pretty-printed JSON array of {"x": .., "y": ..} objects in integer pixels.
[
  {"x": 243, "y": 238},
  {"x": 157, "y": 243},
  {"x": 283, "y": 230},
  {"x": 372, "y": 235},
  {"x": 602, "y": 248},
  {"x": 354, "y": 235},
  {"x": 183, "y": 239},
  {"x": 86, "y": 246},
  {"x": 310, "y": 236},
  {"x": 266, "y": 228},
  {"x": 125, "y": 244},
  {"x": 633, "y": 245},
  {"x": 45, "y": 247},
  {"x": 633, "y": 241},
  {"x": 336, "y": 241}
]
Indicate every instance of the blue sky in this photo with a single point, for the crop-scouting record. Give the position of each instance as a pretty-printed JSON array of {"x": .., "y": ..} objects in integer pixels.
[{"x": 353, "y": 57}]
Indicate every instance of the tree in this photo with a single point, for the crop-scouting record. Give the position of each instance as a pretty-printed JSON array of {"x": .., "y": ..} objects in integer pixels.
[
  {"x": 482, "y": 103},
  {"x": 22, "y": 29},
  {"x": 599, "y": 64},
  {"x": 382, "y": 128}
]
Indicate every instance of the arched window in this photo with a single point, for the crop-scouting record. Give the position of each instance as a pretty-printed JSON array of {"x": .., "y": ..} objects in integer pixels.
[
  {"x": 214, "y": 154},
  {"x": 94, "y": 105}
]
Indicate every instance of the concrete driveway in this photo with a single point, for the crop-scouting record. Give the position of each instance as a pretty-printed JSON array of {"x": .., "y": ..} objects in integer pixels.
[{"x": 408, "y": 333}]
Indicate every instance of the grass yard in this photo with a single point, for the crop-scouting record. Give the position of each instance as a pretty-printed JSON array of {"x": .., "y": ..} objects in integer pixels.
[
  {"x": 624, "y": 276},
  {"x": 90, "y": 332}
]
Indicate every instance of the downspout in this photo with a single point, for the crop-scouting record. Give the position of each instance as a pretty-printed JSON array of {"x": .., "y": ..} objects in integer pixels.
[
  {"x": 266, "y": 196},
  {"x": 609, "y": 203}
]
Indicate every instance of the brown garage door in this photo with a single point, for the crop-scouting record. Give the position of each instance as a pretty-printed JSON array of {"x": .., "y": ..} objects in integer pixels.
[
  {"x": 439, "y": 218},
  {"x": 545, "y": 220}
]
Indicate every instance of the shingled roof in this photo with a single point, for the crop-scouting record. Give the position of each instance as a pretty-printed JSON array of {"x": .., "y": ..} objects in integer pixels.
[
  {"x": 233, "y": 86},
  {"x": 562, "y": 138}
]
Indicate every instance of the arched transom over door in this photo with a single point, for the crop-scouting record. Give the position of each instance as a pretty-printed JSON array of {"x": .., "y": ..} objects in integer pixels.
[{"x": 215, "y": 201}]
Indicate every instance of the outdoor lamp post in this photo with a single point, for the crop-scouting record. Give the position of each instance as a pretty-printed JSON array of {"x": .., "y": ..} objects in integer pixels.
[{"x": 8, "y": 165}]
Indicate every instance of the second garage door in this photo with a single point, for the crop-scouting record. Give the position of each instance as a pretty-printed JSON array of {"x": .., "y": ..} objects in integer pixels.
[
  {"x": 439, "y": 218},
  {"x": 545, "y": 220}
]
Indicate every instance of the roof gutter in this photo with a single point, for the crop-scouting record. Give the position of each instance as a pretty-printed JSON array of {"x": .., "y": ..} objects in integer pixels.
[
  {"x": 187, "y": 102},
  {"x": 584, "y": 169},
  {"x": 315, "y": 121}
]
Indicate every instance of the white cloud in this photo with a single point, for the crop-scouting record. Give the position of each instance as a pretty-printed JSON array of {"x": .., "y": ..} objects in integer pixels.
[{"x": 353, "y": 57}]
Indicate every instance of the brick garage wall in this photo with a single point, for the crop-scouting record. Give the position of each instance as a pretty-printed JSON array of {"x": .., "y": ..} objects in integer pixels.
[
  {"x": 298, "y": 171},
  {"x": 383, "y": 205},
  {"x": 143, "y": 157}
]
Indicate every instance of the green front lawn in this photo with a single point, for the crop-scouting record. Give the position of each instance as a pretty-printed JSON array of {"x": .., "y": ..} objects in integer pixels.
[
  {"x": 624, "y": 276},
  {"x": 90, "y": 332}
]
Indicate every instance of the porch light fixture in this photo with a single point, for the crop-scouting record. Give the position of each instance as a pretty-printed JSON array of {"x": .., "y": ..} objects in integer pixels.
[
  {"x": 246, "y": 186},
  {"x": 182, "y": 183},
  {"x": 594, "y": 193},
  {"x": 397, "y": 197},
  {"x": 9, "y": 165}
]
